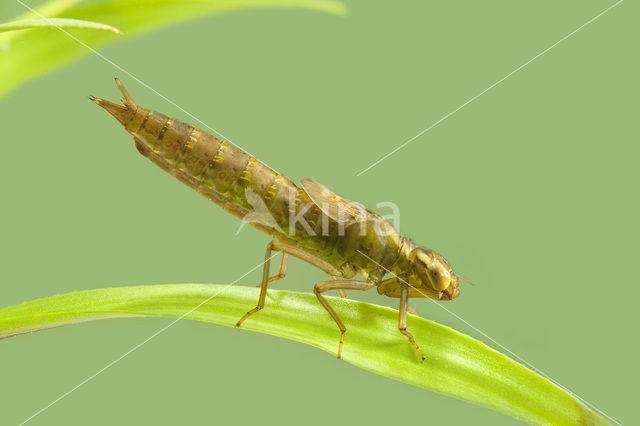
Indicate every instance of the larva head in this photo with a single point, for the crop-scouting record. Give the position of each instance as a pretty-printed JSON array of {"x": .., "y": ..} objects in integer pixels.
[
  {"x": 431, "y": 272},
  {"x": 123, "y": 113}
]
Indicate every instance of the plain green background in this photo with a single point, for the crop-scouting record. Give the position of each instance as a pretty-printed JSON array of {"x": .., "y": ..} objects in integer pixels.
[{"x": 531, "y": 191}]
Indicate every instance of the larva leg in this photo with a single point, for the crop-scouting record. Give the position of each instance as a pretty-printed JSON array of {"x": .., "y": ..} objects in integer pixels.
[
  {"x": 286, "y": 249},
  {"x": 307, "y": 257},
  {"x": 411, "y": 310},
  {"x": 263, "y": 284},
  {"x": 318, "y": 289},
  {"x": 341, "y": 291},
  {"x": 283, "y": 268},
  {"x": 402, "y": 323}
]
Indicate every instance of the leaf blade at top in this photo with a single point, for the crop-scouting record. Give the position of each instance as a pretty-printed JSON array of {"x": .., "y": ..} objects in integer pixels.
[
  {"x": 56, "y": 23},
  {"x": 28, "y": 54}
]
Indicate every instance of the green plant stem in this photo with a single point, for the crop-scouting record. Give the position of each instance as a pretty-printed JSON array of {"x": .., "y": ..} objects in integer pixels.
[{"x": 456, "y": 364}]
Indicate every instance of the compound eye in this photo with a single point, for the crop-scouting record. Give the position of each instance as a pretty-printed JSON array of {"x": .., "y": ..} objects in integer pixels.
[
  {"x": 425, "y": 258},
  {"x": 442, "y": 276}
]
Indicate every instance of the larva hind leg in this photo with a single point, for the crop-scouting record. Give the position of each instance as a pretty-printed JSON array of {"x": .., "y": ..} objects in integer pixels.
[
  {"x": 286, "y": 249},
  {"x": 283, "y": 269},
  {"x": 265, "y": 282}
]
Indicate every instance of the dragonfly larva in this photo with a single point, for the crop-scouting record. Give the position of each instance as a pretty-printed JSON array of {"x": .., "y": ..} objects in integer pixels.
[{"x": 310, "y": 222}]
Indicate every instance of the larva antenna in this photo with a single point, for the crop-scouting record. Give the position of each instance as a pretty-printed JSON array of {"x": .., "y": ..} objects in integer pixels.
[
  {"x": 128, "y": 100},
  {"x": 464, "y": 279}
]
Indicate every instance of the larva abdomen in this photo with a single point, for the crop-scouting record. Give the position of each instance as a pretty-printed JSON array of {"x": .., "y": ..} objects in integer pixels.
[{"x": 219, "y": 170}]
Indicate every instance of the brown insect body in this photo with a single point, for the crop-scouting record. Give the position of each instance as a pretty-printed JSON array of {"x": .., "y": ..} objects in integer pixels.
[{"x": 365, "y": 244}]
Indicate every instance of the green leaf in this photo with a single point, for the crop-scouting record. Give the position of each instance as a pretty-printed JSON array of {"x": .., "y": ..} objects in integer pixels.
[
  {"x": 53, "y": 23},
  {"x": 28, "y": 54},
  {"x": 456, "y": 364},
  {"x": 50, "y": 8}
]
